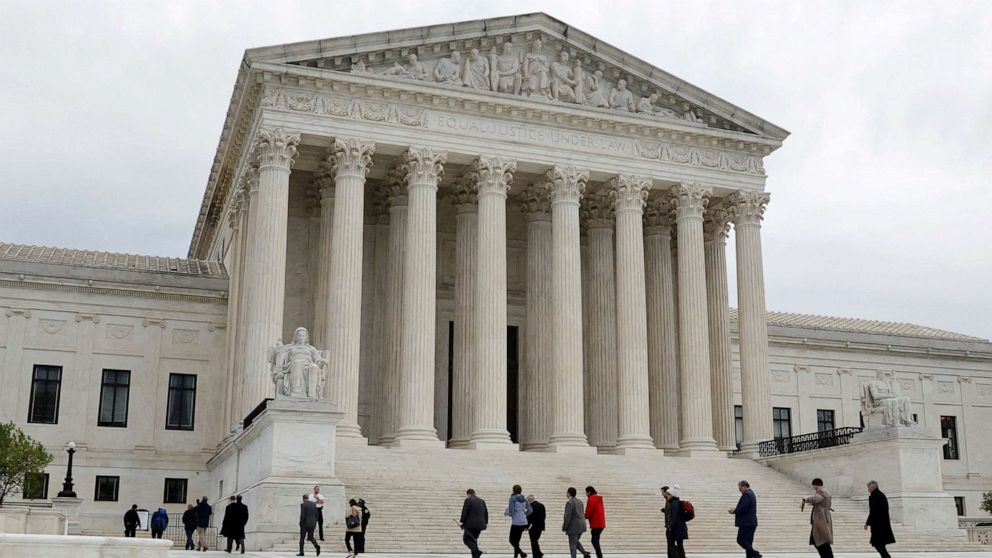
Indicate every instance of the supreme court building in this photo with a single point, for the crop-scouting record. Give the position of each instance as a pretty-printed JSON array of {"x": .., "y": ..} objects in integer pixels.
[{"x": 506, "y": 233}]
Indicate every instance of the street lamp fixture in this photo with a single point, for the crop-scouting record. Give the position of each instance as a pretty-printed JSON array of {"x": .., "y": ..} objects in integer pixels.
[{"x": 67, "y": 491}]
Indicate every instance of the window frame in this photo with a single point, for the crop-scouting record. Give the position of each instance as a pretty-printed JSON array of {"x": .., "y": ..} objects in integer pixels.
[
  {"x": 739, "y": 425},
  {"x": 959, "y": 506},
  {"x": 951, "y": 450},
  {"x": 820, "y": 421},
  {"x": 165, "y": 490},
  {"x": 127, "y": 398},
  {"x": 180, "y": 390},
  {"x": 96, "y": 488},
  {"x": 44, "y": 488},
  {"x": 776, "y": 421},
  {"x": 58, "y": 393}
]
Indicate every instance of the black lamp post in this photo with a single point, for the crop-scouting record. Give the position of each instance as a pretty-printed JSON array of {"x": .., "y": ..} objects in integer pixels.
[{"x": 67, "y": 491}]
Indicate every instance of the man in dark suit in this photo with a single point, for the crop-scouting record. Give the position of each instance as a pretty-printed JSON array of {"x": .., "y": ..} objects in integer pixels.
[
  {"x": 746, "y": 519},
  {"x": 308, "y": 522},
  {"x": 535, "y": 525},
  {"x": 474, "y": 519},
  {"x": 131, "y": 521},
  {"x": 878, "y": 520}
]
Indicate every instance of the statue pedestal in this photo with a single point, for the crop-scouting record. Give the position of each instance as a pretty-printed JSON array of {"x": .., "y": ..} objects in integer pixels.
[
  {"x": 71, "y": 507},
  {"x": 286, "y": 450}
]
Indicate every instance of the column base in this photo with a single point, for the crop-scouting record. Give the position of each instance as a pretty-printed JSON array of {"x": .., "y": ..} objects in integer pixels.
[
  {"x": 637, "y": 450},
  {"x": 458, "y": 444},
  {"x": 352, "y": 441},
  {"x": 699, "y": 448},
  {"x": 495, "y": 436},
  {"x": 497, "y": 446},
  {"x": 576, "y": 450},
  {"x": 534, "y": 446},
  {"x": 349, "y": 431},
  {"x": 635, "y": 442}
]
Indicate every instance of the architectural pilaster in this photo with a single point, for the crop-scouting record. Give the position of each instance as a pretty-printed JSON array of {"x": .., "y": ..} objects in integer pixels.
[
  {"x": 236, "y": 225},
  {"x": 747, "y": 209},
  {"x": 600, "y": 318},
  {"x": 324, "y": 184},
  {"x": 716, "y": 225},
  {"x": 492, "y": 176},
  {"x": 275, "y": 151},
  {"x": 464, "y": 349},
  {"x": 424, "y": 167},
  {"x": 663, "y": 359},
  {"x": 690, "y": 201},
  {"x": 350, "y": 160},
  {"x": 566, "y": 185},
  {"x": 249, "y": 210},
  {"x": 392, "y": 321},
  {"x": 539, "y": 343},
  {"x": 634, "y": 431}
]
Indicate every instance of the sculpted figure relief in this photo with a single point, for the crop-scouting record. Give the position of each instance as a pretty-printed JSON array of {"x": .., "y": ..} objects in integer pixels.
[
  {"x": 415, "y": 70},
  {"x": 621, "y": 98},
  {"x": 505, "y": 70},
  {"x": 536, "y": 80},
  {"x": 646, "y": 104},
  {"x": 593, "y": 93},
  {"x": 476, "y": 71},
  {"x": 878, "y": 396},
  {"x": 298, "y": 368},
  {"x": 448, "y": 70},
  {"x": 563, "y": 82}
]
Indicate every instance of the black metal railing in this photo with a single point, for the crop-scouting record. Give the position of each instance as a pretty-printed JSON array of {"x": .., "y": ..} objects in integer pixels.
[
  {"x": 255, "y": 412},
  {"x": 807, "y": 442},
  {"x": 176, "y": 533}
]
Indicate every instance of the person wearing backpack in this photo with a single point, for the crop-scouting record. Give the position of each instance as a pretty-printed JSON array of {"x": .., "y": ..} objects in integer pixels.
[
  {"x": 517, "y": 509},
  {"x": 353, "y": 529},
  {"x": 160, "y": 520},
  {"x": 678, "y": 514}
]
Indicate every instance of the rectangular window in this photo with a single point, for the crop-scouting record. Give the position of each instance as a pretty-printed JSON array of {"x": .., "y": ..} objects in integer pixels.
[
  {"x": 949, "y": 431},
  {"x": 106, "y": 489},
  {"x": 175, "y": 491},
  {"x": 959, "y": 504},
  {"x": 113, "y": 398},
  {"x": 824, "y": 420},
  {"x": 739, "y": 425},
  {"x": 782, "y": 422},
  {"x": 46, "y": 385},
  {"x": 182, "y": 400},
  {"x": 36, "y": 486}
]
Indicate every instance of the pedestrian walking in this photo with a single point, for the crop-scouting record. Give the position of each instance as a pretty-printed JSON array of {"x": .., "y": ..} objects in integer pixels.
[
  {"x": 821, "y": 534},
  {"x": 535, "y": 525},
  {"x": 203, "y": 513},
  {"x": 596, "y": 514},
  {"x": 233, "y": 527},
  {"x": 878, "y": 520},
  {"x": 575, "y": 523},
  {"x": 366, "y": 516},
  {"x": 517, "y": 509},
  {"x": 318, "y": 499},
  {"x": 131, "y": 521},
  {"x": 676, "y": 530},
  {"x": 189, "y": 525},
  {"x": 160, "y": 520},
  {"x": 746, "y": 519},
  {"x": 473, "y": 521},
  {"x": 353, "y": 528},
  {"x": 308, "y": 522}
]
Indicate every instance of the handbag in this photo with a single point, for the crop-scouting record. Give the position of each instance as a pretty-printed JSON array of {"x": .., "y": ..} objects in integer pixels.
[{"x": 352, "y": 521}]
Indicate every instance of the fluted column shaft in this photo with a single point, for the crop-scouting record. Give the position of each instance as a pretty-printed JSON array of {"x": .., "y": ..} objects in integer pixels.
[
  {"x": 634, "y": 425},
  {"x": 379, "y": 338},
  {"x": 276, "y": 151},
  {"x": 697, "y": 420},
  {"x": 234, "y": 309},
  {"x": 350, "y": 159},
  {"x": 392, "y": 326},
  {"x": 663, "y": 364},
  {"x": 423, "y": 167},
  {"x": 244, "y": 296},
  {"x": 715, "y": 225},
  {"x": 325, "y": 188},
  {"x": 492, "y": 177},
  {"x": 464, "y": 351},
  {"x": 748, "y": 208},
  {"x": 566, "y": 185},
  {"x": 538, "y": 346}
]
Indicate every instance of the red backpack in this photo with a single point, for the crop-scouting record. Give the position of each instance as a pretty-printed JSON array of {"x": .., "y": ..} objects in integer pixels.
[{"x": 688, "y": 511}]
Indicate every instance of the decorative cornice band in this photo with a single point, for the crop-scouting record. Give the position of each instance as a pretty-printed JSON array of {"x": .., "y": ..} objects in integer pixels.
[{"x": 116, "y": 292}]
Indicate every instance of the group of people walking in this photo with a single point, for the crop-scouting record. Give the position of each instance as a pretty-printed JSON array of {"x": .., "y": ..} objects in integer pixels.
[
  {"x": 356, "y": 519},
  {"x": 527, "y": 514},
  {"x": 195, "y": 519}
]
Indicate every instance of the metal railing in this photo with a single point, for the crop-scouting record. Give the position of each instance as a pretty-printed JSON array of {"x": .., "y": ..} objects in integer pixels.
[
  {"x": 176, "y": 533},
  {"x": 807, "y": 442},
  {"x": 250, "y": 417}
]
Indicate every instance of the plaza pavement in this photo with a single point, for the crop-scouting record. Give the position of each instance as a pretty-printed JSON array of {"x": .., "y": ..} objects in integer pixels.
[{"x": 810, "y": 554}]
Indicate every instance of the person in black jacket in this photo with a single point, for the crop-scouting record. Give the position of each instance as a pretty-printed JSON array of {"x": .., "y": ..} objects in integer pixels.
[
  {"x": 203, "y": 513},
  {"x": 474, "y": 519},
  {"x": 131, "y": 521},
  {"x": 189, "y": 525},
  {"x": 535, "y": 525},
  {"x": 878, "y": 520},
  {"x": 366, "y": 515},
  {"x": 676, "y": 531}
]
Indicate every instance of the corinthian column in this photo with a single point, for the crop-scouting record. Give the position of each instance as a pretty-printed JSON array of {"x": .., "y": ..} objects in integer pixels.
[
  {"x": 275, "y": 151},
  {"x": 350, "y": 161},
  {"x": 236, "y": 222},
  {"x": 393, "y": 314},
  {"x": 601, "y": 323},
  {"x": 424, "y": 167},
  {"x": 325, "y": 188},
  {"x": 748, "y": 208},
  {"x": 663, "y": 337},
  {"x": 628, "y": 193},
  {"x": 381, "y": 266},
  {"x": 715, "y": 228},
  {"x": 538, "y": 345},
  {"x": 464, "y": 350},
  {"x": 697, "y": 421},
  {"x": 566, "y": 185},
  {"x": 492, "y": 177}
]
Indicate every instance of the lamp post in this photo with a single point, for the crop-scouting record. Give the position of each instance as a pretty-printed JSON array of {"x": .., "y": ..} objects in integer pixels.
[{"x": 67, "y": 491}]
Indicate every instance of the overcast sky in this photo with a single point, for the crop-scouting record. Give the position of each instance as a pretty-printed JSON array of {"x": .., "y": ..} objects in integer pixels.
[{"x": 110, "y": 115}]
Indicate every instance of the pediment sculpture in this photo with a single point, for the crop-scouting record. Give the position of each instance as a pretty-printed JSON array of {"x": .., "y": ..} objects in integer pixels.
[
  {"x": 879, "y": 400},
  {"x": 298, "y": 369}
]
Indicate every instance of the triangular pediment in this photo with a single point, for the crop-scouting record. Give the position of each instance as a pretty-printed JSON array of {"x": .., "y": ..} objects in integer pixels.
[{"x": 531, "y": 56}]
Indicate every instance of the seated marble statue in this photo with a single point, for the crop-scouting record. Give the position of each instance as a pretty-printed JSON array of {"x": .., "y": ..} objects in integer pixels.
[
  {"x": 415, "y": 70},
  {"x": 878, "y": 396},
  {"x": 448, "y": 70},
  {"x": 298, "y": 368}
]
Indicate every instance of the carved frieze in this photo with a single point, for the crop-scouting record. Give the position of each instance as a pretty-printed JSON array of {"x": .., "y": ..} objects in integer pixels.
[
  {"x": 52, "y": 327},
  {"x": 119, "y": 331},
  {"x": 185, "y": 336},
  {"x": 346, "y": 107}
]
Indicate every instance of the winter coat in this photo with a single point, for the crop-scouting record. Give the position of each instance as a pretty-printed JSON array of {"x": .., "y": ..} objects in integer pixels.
[
  {"x": 235, "y": 519},
  {"x": 160, "y": 520},
  {"x": 189, "y": 519},
  {"x": 518, "y": 509},
  {"x": 203, "y": 511},
  {"x": 308, "y": 515},
  {"x": 354, "y": 511},
  {"x": 537, "y": 517},
  {"x": 878, "y": 519},
  {"x": 677, "y": 528},
  {"x": 575, "y": 520},
  {"x": 475, "y": 515},
  {"x": 822, "y": 531},
  {"x": 131, "y": 519},
  {"x": 595, "y": 512},
  {"x": 746, "y": 513}
]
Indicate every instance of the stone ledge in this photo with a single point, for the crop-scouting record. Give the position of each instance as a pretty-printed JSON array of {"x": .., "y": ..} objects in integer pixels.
[{"x": 60, "y": 546}]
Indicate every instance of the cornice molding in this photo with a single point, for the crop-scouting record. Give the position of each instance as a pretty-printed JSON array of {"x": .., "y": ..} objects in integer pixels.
[{"x": 135, "y": 293}]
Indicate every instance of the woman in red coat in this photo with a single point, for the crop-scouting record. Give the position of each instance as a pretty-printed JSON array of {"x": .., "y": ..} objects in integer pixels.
[{"x": 596, "y": 514}]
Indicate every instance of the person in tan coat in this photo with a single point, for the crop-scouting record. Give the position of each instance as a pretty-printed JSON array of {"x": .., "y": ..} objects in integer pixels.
[
  {"x": 821, "y": 534},
  {"x": 353, "y": 529}
]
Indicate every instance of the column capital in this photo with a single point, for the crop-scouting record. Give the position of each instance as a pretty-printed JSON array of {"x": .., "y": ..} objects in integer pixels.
[
  {"x": 324, "y": 182},
  {"x": 234, "y": 215},
  {"x": 249, "y": 178},
  {"x": 491, "y": 174},
  {"x": 351, "y": 156},
  {"x": 716, "y": 224},
  {"x": 378, "y": 206},
  {"x": 747, "y": 207},
  {"x": 597, "y": 211},
  {"x": 629, "y": 192},
  {"x": 659, "y": 217},
  {"x": 536, "y": 203},
  {"x": 424, "y": 166},
  {"x": 276, "y": 148},
  {"x": 690, "y": 199},
  {"x": 395, "y": 186},
  {"x": 566, "y": 183},
  {"x": 464, "y": 196}
]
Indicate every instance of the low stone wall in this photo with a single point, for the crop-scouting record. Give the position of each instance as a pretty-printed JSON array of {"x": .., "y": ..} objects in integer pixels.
[
  {"x": 59, "y": 546},
  {"x": 27, "y": 520},
  {"x": 981, "y": 535}
]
